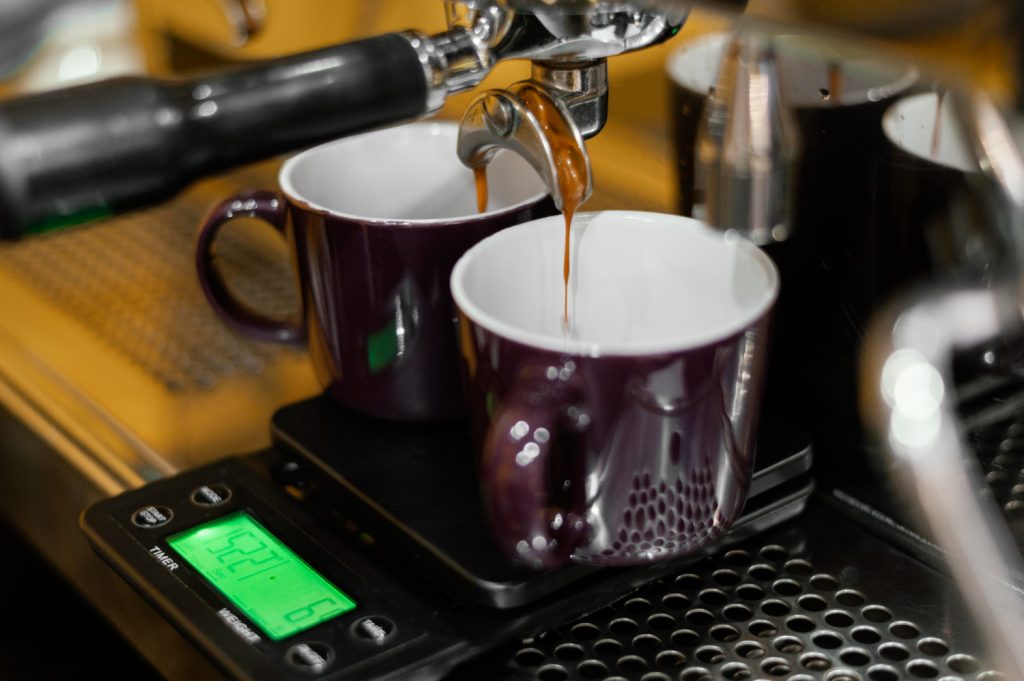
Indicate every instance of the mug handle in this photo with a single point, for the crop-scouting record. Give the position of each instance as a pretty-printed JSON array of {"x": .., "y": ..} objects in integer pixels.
[
  {"x": 515, "y": 471},
  {"x": 272, "y": 209}
]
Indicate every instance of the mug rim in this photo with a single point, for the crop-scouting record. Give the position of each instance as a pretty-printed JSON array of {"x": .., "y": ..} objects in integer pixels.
[
  {"x": 891, "y": 122},
  {"x": 581, "y": 348},
  {"x": 434, "y": 128},
  {"x": 807, "y": 44}
]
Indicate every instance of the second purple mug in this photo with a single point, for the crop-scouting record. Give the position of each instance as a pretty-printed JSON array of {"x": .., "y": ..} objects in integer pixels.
[
  {"x": 376, "y": 223},
  {"x": 628, "y": 435}
]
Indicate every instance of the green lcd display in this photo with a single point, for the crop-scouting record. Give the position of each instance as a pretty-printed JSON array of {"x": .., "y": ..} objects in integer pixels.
[{"x": 260, "y": 575}]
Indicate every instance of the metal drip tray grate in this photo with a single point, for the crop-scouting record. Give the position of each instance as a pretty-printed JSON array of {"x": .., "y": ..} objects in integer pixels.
[
  {"x": 769, "y": 611},
  {"x": 131, "y": 282},
  {"x": 1000, "y": 450}
]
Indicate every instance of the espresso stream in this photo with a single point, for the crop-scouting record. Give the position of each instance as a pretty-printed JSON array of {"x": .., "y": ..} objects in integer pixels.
[
  {"x": 480, "y": 176},
  {"x": 937, "y": 127},
  {"x": 570, "y": 167},
  {"x": 835, "y": 83}
]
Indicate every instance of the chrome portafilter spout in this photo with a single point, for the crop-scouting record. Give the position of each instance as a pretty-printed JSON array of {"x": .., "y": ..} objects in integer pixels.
[
  {"x": 568, "y": 43},
  {"x": 508, "y": 119},
  {"x": 747, "y": 145},
  {"x": 581, "y": 86}
]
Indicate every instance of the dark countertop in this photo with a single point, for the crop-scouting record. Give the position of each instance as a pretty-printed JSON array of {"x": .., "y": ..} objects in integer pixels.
[{"x": 48, "y": 631}]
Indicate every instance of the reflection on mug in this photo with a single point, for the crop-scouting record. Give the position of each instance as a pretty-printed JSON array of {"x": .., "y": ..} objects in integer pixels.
[{"x": 684, "y": 474}]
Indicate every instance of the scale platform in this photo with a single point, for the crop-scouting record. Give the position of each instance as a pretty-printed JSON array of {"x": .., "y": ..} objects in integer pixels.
[
  {"x": 381, "y": 525},
  {"x": 418, "y": 485}
]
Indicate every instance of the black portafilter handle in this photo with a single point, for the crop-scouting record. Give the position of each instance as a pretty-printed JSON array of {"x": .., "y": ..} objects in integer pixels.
[{"x": 73, "y": 154}]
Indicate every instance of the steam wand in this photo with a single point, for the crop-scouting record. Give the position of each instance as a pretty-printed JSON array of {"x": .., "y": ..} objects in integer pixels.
[
  {"x": 747, "y": 146},
  {"x": 908, "y": 391}
]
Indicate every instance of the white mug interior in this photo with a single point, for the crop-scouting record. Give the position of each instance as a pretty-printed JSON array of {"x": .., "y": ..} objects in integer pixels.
[
  {"x": 804, "y": 70},
  {"x": 408, "y": 173},
  {"x": 641, "y": 283},
  {"x": 911, "y": 125}
]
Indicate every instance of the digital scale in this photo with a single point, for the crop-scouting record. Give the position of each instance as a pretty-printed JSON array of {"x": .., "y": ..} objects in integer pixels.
[{"x": 357, "y": 549}]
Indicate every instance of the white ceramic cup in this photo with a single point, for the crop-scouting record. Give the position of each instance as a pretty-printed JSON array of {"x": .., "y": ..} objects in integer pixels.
[{"x": 408, "y": 173}]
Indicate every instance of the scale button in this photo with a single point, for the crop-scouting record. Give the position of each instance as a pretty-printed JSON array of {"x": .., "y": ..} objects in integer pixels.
[
  {"x": 211, "y": 495},
  {"x": 373, "y": 629},
  {"x": 149, "y": 517},
  {"x": 311, "y": 657}
]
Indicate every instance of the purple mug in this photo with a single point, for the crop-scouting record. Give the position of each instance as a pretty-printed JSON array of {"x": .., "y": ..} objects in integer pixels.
[
  {"x": 626, "y": 436},
  {"x": 376, "y": 223}
]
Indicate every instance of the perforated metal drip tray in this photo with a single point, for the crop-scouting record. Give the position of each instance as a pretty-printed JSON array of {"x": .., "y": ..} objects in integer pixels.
[
  {"x": 1000, "y": 451},
  {"x": 819, "y": 598}
]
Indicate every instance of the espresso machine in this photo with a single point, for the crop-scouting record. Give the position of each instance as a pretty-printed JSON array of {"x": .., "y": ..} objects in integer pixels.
[{"x": 833, "y": 586}]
